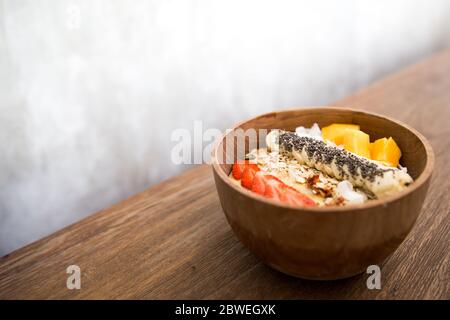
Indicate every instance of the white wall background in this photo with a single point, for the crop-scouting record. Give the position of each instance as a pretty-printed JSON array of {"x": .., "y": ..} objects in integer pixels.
[{"x": 90, "y": 91}]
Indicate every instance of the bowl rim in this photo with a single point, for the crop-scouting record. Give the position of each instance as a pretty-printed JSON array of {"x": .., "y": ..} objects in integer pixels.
[{"x": 417, "y": 183}]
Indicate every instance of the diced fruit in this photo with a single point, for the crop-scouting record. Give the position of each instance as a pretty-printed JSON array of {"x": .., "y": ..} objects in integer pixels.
[
  {"x": 335, "y": 132},
  {"x": 298, "y": 199},
  {"x": 377, "y": 147},
  {"x": 271, "y": 177},
  {"x": 239, "y": 166},
  {"x": 272, "y": 190},
  {"x": 305, "y": 200},
  {"x": 386, "y": 151},
  {"x": 238, "y": 169},
  {"x": 278, "y": 190},
  {"x": 268, "y": 185},
  {"x": 394, "y": 151},
  {"x": 357, "y": 142},
  {"x": 247, "y": 177},
  {"x": 259, "y": 183}
]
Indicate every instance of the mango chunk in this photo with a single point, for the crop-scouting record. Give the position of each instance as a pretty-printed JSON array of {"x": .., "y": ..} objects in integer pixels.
[
  {"x": 371, "y": 146},
  {"x": 377, "y": 147},
  {"x": 335, "y": 132},
  {"x": 386, "y": 151},
  {"x": 357, "y": 142}
]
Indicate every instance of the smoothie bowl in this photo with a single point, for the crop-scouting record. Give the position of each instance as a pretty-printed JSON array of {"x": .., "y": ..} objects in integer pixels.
[{"x": 322, "y": 193}]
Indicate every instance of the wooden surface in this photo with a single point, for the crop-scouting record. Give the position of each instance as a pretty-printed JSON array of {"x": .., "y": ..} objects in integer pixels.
[{"x": 172, "y": 241}]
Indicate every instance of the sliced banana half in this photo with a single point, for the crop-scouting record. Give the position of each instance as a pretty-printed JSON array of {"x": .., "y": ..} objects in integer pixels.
[{"x": 273, "y": 140}]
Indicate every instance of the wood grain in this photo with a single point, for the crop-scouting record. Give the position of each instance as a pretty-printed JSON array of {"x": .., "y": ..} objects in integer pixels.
[{"x": 172, "y": 241}]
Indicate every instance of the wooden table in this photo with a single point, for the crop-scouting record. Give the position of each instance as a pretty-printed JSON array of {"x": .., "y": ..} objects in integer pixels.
[{"x": 172, "y": 241}]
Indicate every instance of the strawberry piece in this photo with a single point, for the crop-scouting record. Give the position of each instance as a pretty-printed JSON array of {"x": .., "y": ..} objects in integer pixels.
[
  {"x": 254, "y": 166},
  {"x": 247, "y": 177},
  {"x": 268, "y": 185},
  {"x": 296, "y": 198},
  {"x": 271, "y": 177},
  {"x": 239, "y": 167},
  {"x": 272, "y": 188},
  {"x": 304, "y": 200},
  {"x": 291, "y": 198},
  {"x": 259, "y": 183},
  {"x": 278, "y": 190},
  {"x": 288, "y": 198}
]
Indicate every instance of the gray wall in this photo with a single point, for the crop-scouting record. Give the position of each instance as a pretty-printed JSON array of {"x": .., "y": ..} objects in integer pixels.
[{"x": 90, "y": 91}]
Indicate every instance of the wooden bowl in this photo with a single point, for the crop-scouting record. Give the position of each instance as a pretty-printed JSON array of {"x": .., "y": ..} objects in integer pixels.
[{"x": 324, "y": 243}]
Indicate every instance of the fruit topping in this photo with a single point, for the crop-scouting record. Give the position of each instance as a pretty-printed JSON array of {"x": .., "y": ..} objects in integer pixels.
[
  {"x": 335, "y": 132},
  {"x": 268, "y": 185},
  {"x": 247, "y": 177},
  {"x": 239, "y": 166},
  {"x": 357, "y": 142},
  {"x": 386, "y": 151}
]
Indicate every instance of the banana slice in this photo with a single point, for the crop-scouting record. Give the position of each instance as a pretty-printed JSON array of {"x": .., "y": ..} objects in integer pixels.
[
  {"x": 272, "y": 139},
  {"x": 341, "y": 164}
]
